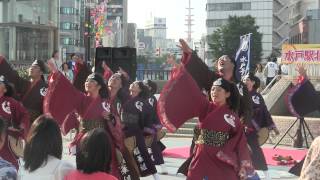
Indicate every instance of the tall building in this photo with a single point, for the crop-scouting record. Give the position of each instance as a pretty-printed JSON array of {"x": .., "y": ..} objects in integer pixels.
[
  {"x": 152, "y": 41},
  {"x": 218, "y": 12},
  {"x": 285, "y": 14},
  {"x": 156, "y": 28},
  {"x": 189, "y": 21},
  {"x": 132, "y": 35},
  {"x": 276, "y": 18},
  {"x": 28, "y": 29},
  {"x": 71, "y": 33},
  {"x": 306, "y": 31},
  {"x": 117, "y": 22}
]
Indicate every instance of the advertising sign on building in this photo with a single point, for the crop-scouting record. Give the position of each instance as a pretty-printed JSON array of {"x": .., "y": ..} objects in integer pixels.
[
  {"x": 141, "y": 45},
  {"x": 300, "y": 53}
]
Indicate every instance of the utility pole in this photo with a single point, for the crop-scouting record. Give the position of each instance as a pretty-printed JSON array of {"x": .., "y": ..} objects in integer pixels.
[
  {"x": 189, "y": 24},
  {"x": 89, "y": 26},
  {"x": 87, "y": 39}
]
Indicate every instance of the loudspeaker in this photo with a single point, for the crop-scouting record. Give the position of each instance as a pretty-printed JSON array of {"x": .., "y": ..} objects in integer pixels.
[
  {"x": 305, "y": 99},
  {"x": 125, "y": 58},
  {"x": 102, "y": 54}
]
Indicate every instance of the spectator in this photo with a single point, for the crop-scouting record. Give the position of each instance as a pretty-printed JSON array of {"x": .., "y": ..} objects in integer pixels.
[
  {"x": 55, "y": 63},
  {"x": 67, "y": 72},
  {"x": 17, "y": 119},
  {"x": 284, "y": 69},
  {"x": 43, "y": 151},
  {"x": 7, "y": 170},
  {"x": 72, "y": 61},
  {"x": 93, "y": 158},
  {"x": 271, "y": 70},
  {"x": 259, "y": 73}
]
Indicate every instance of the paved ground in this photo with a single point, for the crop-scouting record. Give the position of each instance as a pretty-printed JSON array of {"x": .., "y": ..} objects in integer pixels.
[{"x": 277, "y": 172}]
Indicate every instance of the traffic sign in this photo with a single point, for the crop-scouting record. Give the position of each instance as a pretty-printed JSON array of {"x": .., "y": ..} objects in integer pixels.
[{"x": 141, "y": 45}]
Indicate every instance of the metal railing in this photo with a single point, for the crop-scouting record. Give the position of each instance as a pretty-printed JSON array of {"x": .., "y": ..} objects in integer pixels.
[
  {"x": 153, "y": 74},
  {"x": 269, "y": 86}
]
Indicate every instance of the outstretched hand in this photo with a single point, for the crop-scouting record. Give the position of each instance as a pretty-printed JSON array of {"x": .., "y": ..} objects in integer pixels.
[
  {"x": 121, "y": 71},
  {"x": 301, "y": 70},
  {"x": 184, "y": 46}
]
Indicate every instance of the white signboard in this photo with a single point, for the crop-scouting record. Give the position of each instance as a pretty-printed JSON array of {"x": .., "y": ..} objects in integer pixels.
[{"x": 141, "y": 45}]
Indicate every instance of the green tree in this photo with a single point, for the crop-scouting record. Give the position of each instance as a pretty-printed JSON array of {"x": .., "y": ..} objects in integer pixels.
[
  {"x": 226, "y": 39},
  {"x": 142, "y": 60},
  {"x": 162, "y": 59},
  {"x": 274, "y": 54}
]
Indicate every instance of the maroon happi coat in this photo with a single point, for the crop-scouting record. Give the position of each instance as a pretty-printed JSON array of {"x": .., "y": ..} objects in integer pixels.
[
  {"x": 81, "y": 72},
  {"x": 63, "y": 98},
  {"x": 18, "y": 118},
  {"x": 180, "y": 100},
  {"x": 30, "y": 94}
]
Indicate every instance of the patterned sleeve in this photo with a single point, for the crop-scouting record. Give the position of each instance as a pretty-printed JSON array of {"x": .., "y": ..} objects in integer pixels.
[
  {"x": 180, "y": 100},
  {"x": 62, "y": 98}
]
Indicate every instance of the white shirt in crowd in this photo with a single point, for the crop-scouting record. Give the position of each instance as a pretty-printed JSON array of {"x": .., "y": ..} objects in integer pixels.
[
  {"x": 54, "y": 169},
  {"x": 272, "y": 69},
  {"x": 261, "y": 77},
  {"x": 284, "y": 69}
]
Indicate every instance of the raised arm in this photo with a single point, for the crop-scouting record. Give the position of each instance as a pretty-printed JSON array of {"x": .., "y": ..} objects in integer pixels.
[
  {"x": 62, "y": 97},
  {"x": 302, "y": 73},
  {"x": 180, "y": 100},
  {"x": 21, "y": 84},
  {"x": 199, "y": 71}
]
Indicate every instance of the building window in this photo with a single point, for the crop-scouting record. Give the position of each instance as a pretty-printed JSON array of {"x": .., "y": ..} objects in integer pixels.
[
  {"x": 69, "y": 26},
  {"x": 66, "y": 26},
  {"x": 216, "y": 22},
  {"x": 69, "y": 11},
  {"x": 239, "y": 6},
  {"x": 69, "y": 41}
]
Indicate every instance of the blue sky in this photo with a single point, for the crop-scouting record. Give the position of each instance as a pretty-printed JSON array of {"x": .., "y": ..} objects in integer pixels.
[{"x": 174, "y": 10}]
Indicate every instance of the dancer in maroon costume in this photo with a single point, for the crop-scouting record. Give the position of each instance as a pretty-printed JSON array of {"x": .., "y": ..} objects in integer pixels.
[
  {"x": 221, "y": 144},
  {"x": 16, "y": 116},
  {"x": 31, "y": 91},
  {"x": 261, "y": 119},
  {"x": 94, "y": 110},
  {"x": 135, "y": 116}
]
